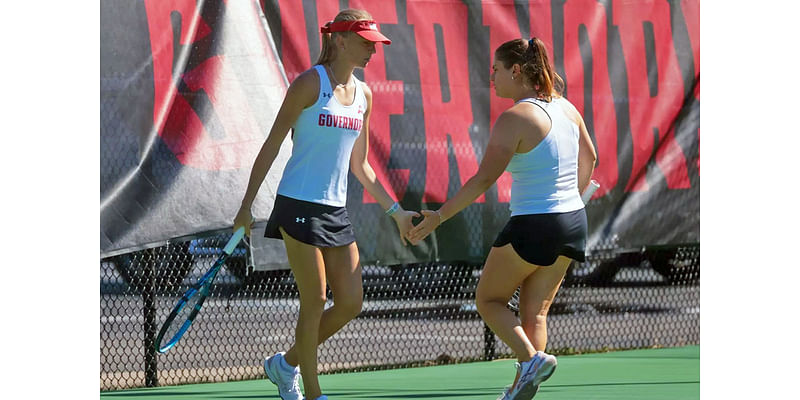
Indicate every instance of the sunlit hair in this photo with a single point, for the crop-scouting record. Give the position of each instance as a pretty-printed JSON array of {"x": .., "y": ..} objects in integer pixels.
[
  {"x": 534, "y": 65},
  {"x": 328, "y": 51}
]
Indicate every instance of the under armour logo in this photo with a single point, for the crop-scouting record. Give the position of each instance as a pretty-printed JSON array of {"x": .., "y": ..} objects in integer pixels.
[
  {"x": 360, "y": 110},
  {"x": 328, "y": 95},
  {"x": 300, "y": 220}
]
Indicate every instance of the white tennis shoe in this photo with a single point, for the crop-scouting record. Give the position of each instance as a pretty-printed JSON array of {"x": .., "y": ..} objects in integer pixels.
[
  {"x": 508, "y": 388},
  {"x": 287, "y": 380},
  {"x": 533, "y": 372}
]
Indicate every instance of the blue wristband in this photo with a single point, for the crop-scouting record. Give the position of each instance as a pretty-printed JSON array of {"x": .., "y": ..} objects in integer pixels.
[{"x": 393, "y": 209}]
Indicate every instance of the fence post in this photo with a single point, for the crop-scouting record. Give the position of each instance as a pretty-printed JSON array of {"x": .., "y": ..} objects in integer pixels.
[
  {"x": 488, "y": 343},
  {"x": 149, "y": 309}
]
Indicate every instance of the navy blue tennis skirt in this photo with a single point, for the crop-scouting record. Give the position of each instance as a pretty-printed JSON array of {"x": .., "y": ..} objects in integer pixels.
[
  {"x": 316, "y": 224},
  {"x": 540, "y": 238}
]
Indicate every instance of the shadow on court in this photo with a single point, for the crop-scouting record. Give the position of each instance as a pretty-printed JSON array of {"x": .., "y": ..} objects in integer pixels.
[{"x": 651, "y": 374}]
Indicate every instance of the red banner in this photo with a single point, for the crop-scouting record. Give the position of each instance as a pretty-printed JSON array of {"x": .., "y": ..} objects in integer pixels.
[
  {"x": 631, "y": 69},
  {"x": 189, "y": 90}
]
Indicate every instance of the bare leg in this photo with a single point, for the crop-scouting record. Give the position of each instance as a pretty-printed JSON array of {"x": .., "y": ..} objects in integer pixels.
[
  {"x": 536, "y": 295},
  {"x": 343, "y": 271},
  {"x": 308, "y": 267},
  {"x": 503, "y": 273}
]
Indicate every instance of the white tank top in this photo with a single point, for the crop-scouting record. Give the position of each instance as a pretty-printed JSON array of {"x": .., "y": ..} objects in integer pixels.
[
  {"x": 323, "y": 139},
  {"x": 545, "y": 179}
]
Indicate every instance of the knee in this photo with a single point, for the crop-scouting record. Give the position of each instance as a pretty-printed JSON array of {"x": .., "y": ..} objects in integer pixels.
[
  {"x": 350, "y": 305},
  {"x": 313, "y": 303},
  {"x": 544, "y": 308},
  {"x": 537, "y": 316},
  {"x": 534, "y": 322},
  {"x": 481, "y": 307},
  {"x": 484, "y": 304}
]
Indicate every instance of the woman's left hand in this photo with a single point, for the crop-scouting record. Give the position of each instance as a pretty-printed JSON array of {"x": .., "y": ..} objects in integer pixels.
[
  {"x": 432, "y": 221},
  {"x": 403, "y": 219}
]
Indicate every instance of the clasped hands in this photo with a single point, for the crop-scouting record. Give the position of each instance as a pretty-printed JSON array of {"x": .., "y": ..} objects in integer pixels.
[{"x": 416, "y": 233}]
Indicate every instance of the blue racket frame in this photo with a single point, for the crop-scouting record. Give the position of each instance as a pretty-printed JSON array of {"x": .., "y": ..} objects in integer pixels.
[{"x": 201, "y": 288}]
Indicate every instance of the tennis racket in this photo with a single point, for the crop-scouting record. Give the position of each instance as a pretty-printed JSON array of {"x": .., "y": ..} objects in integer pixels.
[
  {"x": 184, "y": 313},
  {"x": 513, "y": 303},
  {"x": 589, "y": 191}
]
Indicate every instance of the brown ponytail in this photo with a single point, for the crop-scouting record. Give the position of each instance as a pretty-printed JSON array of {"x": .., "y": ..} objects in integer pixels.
[{"x": 535, "y": 67}]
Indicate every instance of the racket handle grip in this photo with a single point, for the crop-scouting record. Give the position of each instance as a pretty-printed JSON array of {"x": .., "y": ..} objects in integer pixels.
[
  {"x": 587, "y": 194},
  {"x": 237, "y": 236}
]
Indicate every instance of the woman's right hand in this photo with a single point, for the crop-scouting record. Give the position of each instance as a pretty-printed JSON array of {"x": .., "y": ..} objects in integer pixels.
[
  {"x": 243, "y": 218},
  {"x": 419, "y": 232}
]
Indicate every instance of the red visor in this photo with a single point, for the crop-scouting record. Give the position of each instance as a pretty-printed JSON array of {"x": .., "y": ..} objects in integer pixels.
[{"x": 366, "y": 29}]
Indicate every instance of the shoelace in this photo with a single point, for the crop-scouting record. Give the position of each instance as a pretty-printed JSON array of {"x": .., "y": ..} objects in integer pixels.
[
  {"x": 289, "y": 386},
  {"x": 293, "y": 386},
  {"x": 535, "y": 364}
]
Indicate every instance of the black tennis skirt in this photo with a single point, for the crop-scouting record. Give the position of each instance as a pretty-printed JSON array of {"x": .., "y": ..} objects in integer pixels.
[
  {"x": 540, "y": 238},
  {"x": 316, "y": 224}
]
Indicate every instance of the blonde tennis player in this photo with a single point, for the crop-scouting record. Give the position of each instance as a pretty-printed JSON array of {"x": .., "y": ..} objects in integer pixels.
[{"x": 328, "y": 109}]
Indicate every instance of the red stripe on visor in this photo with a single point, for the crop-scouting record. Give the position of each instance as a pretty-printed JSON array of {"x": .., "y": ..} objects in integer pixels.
[{"x": 366, "y": 29}]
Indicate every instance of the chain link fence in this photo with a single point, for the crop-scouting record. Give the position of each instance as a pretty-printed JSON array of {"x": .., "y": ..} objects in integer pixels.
[{"x": 413, "y": 314}]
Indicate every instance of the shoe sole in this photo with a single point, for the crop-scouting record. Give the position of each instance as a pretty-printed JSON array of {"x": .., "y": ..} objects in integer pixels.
[
  {"x": 267, "y": 364},
  {"x": 529, "y": 390}
]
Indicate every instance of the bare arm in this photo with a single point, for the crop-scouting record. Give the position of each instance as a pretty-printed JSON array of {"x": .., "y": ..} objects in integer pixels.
[
  {"x": 359, "y": 165},
  {"x": 502, "y": 145},
  {"x": 301, "y": 94},
  {"x": 587, "y": 156}
]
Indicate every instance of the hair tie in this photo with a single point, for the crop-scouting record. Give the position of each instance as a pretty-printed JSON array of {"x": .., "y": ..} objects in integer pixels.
[{"x": 530, "y": 42}]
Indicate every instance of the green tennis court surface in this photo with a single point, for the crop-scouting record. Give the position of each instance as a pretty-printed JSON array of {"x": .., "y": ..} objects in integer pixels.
[{"x": 672, "y": 374}]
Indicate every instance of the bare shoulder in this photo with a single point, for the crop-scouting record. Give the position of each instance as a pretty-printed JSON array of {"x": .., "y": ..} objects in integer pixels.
[
  {"x": 308, "y": 79},
  {"x": 518, "y": 113},
  {"x": 510, "y": 119},
  {"x": 524, "y": 117},
  {"x": 305, "y": 88}
]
